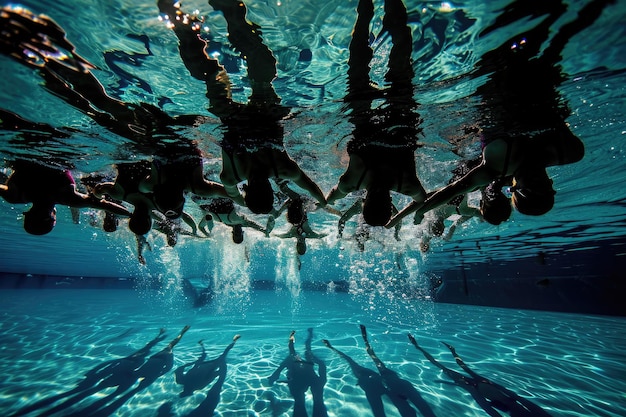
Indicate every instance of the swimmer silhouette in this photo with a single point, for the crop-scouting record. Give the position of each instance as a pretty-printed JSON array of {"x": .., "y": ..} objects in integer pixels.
[
  {"x": 459, "y": 207},
  {"x": 400, "y": 391},
  {"x": 370, "y": 382},
  {"x": 110, "y": 221},
  {"x": 488, "y": 394},
  {"x": 200, "y": 375},
  {"x": 523, "y": 127},
  {"x": 362, "y": 231},
  {"x": 39, "y": 43},
  {"x": 382, "y": 150},
  {"x": 138, "y": 379},
  {"x": 45, "y": 187},
  {"x": 224, "y": 211},
  {"x": 297, "y": 207},
  {"x": 109, "y": 374},
  {"x": 46, "y": 181},
  {"x": 176, "y": 166},
  {"x": 173, "y": 228},
  {"x": 301, "y": 377},
  {"x": 125, "y": 187},
  {"x": 252, "y": 144}
]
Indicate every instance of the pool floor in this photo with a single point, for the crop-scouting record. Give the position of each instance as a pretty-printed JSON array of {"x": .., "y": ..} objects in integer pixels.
[{"x": 100, "y": 352}]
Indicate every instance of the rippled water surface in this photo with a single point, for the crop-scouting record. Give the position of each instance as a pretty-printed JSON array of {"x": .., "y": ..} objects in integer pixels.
[{"x": 447, "y": 45}]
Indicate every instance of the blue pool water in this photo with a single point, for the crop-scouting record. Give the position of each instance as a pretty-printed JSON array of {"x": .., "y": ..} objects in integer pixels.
[
  {"x": 570, "y": 365},
  {"x": 534, "y": 304}
]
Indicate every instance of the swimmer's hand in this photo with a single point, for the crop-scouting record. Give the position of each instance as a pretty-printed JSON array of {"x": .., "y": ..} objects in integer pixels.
[{"x": 414, "y": 206}]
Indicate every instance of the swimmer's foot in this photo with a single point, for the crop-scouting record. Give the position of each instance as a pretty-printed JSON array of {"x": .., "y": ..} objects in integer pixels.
[{"x": 450, "y": 347}]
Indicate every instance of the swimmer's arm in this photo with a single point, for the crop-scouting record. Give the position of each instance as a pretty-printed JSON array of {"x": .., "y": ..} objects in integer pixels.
[
  {"x": 355, "y": 178},
  {"x": 206, "y": 222},
  {"x": 111, "y": 207},
  {"x": 315, "y": 235},
  {"x": 331, "y": 210},
  {"x": 397, "y": 218},
  {"x": 291, "y": 233},
  {"x": 272, "y": 378},
  {"x": 307, "y": 184},
  {"x": 347, "y": 182},
  {"x": 229, "y": 182},
  {"x": 283, "y": 185},
  {"x": 75, "y": 199},
  {"x": 354, "y": 209},
  {"x": 275, "y": 213},
  {"x": 206, "y": 188},
  {"x": 190, "y": 222},
  {"x": 249, "y": 223},
  {"x": 339, "y": 191},
  {"x": 108, "y": 188},
  {"x": 232, "y": 192},
  {"x": 477, "y": 177}
]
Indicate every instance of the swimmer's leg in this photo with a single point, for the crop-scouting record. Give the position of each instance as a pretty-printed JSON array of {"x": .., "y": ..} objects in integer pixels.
[
  {"x": 360, "y": 52},
  {"x": 190, "y": 43},
  {"x": 292, "y": 340},
  {"x": 457, "y": 377},
  {"x": 230, "y": 346},
  {"x": 246, "y": 38},
  {"x": 462, "y": 364},
  {"x": 175, "y": 341},
  {"x": 193, "y": 52},
  {"x": 39, "y": 42},
  {"x": 400, "y": 73},
  {"x": 379, "y": 364},
  {"x": 586, "y": 17}
]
